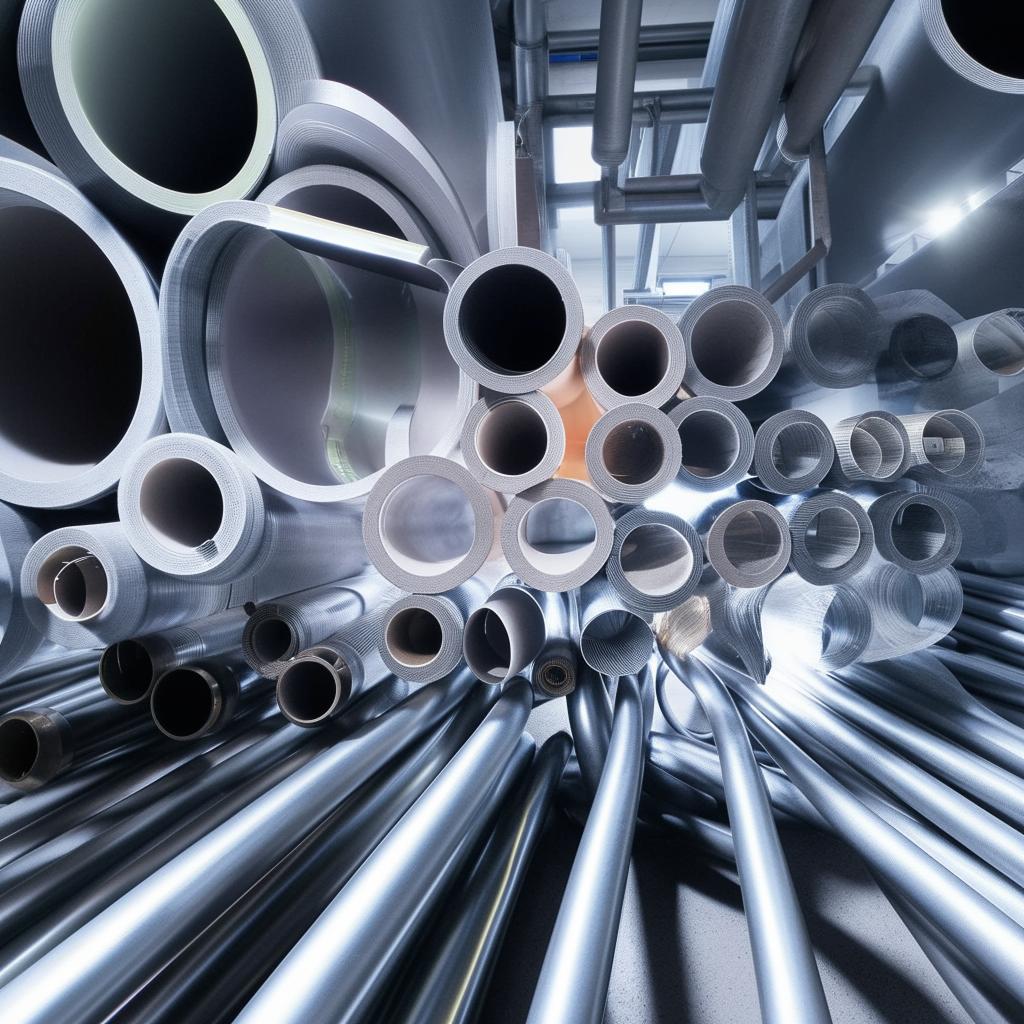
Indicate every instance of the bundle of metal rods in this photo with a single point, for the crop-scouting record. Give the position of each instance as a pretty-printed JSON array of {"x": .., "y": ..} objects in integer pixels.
[{"x": 294, "y": 543}]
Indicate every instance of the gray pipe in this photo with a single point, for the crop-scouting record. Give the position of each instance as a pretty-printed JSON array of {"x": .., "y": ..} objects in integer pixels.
[
  {"x": 755, "y": 62},
  {"x": 555, "y": 668},
  {"x": 373, "y": 919},
  {"x": 573, "y": 982},
  {"x": 107, "y": 959},
  {"x": 618, "y": 44}
]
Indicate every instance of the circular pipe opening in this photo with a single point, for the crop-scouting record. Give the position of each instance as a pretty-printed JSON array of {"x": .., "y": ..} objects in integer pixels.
[
  {"x": 752, "y": 541},
  {"x": 427, "y": 525},
  {"x": 732, "y": 344},
  {"x": 949, "y": 440},
  {"x": 309, "y": 690},
  {"x": 711, "y": 444},
  {"x": 633, "y": 452},
  {"x": 925, "y": 345},
  {"x": 616, "y": 643},
  {"x": 999, "y": 343},
  {"x": 655, "y": 559},
  {"x": 72, "y": 369},
  {"x": 832, "y": 537},
  {"x": 512, "y": 439},
  {"x": 918, "y": 532},
  {"x": 877, "y": 447},
  {"x": 557, "y": 677},
  {"x": 512, "y": 319},
  {"x": 184, "y": 702},
  {"x": 181, "y": 504},
  {"x": 557, "y": 536},
  {"x": 414, "y": 637},
  {"x": 19, "y": 749},
  {"x": 989, "y": 33},
  {"x": 168, "y": 88},
  {"x": 488, "y": 646},
  {"x": 633, "y": 358},
  {"x": 73, "y": 584},
  {"x": 272, "y": 640},
  {"x": 836, "y": 337},
  {"x": 797, "y": 450},
  {"x": 126, "y": 671}
]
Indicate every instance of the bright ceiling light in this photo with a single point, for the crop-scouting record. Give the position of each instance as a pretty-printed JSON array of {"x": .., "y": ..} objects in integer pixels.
[
  {"x": 684, "y": 288},
  {"x": 572, "y": 155},
  {"x": 942, "y": 219}
]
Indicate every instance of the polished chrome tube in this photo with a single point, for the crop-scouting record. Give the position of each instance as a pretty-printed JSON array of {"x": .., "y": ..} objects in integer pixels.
[
  {"x": 200, "y": 698},
  {"x": 513, "y": 320},
  {"x": 573, "y": 983},
  {"x": 985, "y": 676},
  {"x": 129, "y": 668},
  {"x": 788, "y": 984},
  {"x": 590, "y": 720},
  {"x": 105, "y": 961},
  {"x": 613, "y": 640},
  {"x": 1009, "y": 616},
  {"x": 988, "y": 936},
  {"x": 993, "y": 588},
  {"x": 278, "y": 630},
  {"x": 793, "y": 452},
  {"x": 468, "y": 937},
  {"x": 556, "y": 667},
  {"x": 734, "y": 343},
  {"x": 321, "y": 681},
  {"x": 633, "y": 354},
  {"x": 39, "y": 687},
  {"x": 832, "y": 537},
  {"x": 748, "y": 544},
  {"x": 211, "y": 979},
  {"x": 632, "y": 453},
  {"x": 390, "y": 895},
  {"x": 717, "y": 443},
  {"x": 505, "y": 634},
  {"x": 656, "y": 561},
  {"x": 557, "y": 535},
  {"x": 871, "y": 446},
  {"x": 512, "y": 443},
  {"x": 429, "y": 525}
]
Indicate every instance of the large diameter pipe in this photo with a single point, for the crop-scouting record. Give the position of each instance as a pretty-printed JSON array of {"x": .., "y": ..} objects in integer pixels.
[
  {"x": 793, "y": 452},
  {"x": 107, "y": 959},
  {"x": 505, "y": 634},
  {"x": 573, "y": 983},
  {"x": 129, "y": 668},
  {"x": 613, "y": 640},
  {"x": 378, "y": 912},
  {"x": 748, "y": 544},
  {"x": 451, "y": 986},
  {"x": 871, "y": 446},
  {"x": 755, "y": 62},
  {"x": 947, "y": 443},
  {"x": 917, "y": 532},
  {"x": 991, "y": 939},
  {"x": 717, "y": 443},
  {"x": 832, "y": 536},
  {"x": 788, "y": 983}
]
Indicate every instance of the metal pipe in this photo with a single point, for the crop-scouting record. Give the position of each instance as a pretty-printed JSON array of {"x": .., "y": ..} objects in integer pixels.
[
  {"x": 717, "y": 443},
  {"x": 613, "y": 640},
  {"x": 322, "y": 680},
  {"x": 556, "y": 667},
  {"x": 686, "y": 40},
  {"x": 788, "y": 984},
  {"x": 467, "y": 939},
  {"x": 871, "y": 446},
  {"x": 747, "y": 543},
  {"x": 504, "y": 635},
  {"x": 793, "y": 452},
  {"x": 200, "y": 698},
  {"x": 211, "y": 980},
  {"x": 917, "y": 532},
  {"x": 993, "y": 588},
  {"x": 985, "y": 676},
  {"x": 389, "y": 897},
  {"x": 105, "y": 961},
  {"x": 755, "y": 62},
  {"x": 632, "y": 453},
  {"x": 832, "y": 537},
  {"x": 573, "y": 983},
  {"x": 616, "y": 73},
  {"x": 948, "y": 442}
]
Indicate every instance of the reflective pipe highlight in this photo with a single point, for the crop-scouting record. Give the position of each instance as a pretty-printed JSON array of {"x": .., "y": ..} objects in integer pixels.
[
  {"x": 504, "y": 635},
  {"x": 557, "y": 535},
  {"x": 832, "y": 538},
  {"x": 917, "y": 532},
  {"x": 613, "y": 640},
  {"x": 313, "y": 981},
  {"x": 788, "y": 984},
  {"x": 198, "y": 699},
  {"x": 985, "y": 676},
  {"x": 793, "y": 452},
  {"x": 451, "y": 987},
  {"x": 632, "y": 453},
  {"x": 105, "y": 960},
  {"x": 573, "y": 982},
  {"x": 748, "y": 544},
  {"x": 656, "y": 560},
  {"x": 949, "y": 443},
  {"x": 871, "y": 446},
  {"x": 278, "y": 630},
  {"x": 734, "y": 343},
  {"x": 129, "y": 668},
  {"x": 513, "y": 320},
  {"x": 321, "y": 681},
  {"x": 633, "y": 354},
  {"x": 429, "y": 525},
  {"x": 717, "y": 443},
  {"x": 191, "y": 508},
  {"x": 513, "y": 443}
]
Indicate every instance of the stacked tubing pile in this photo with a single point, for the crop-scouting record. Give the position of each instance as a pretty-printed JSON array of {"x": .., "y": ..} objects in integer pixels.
[{"x": 306, "y": 502}]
